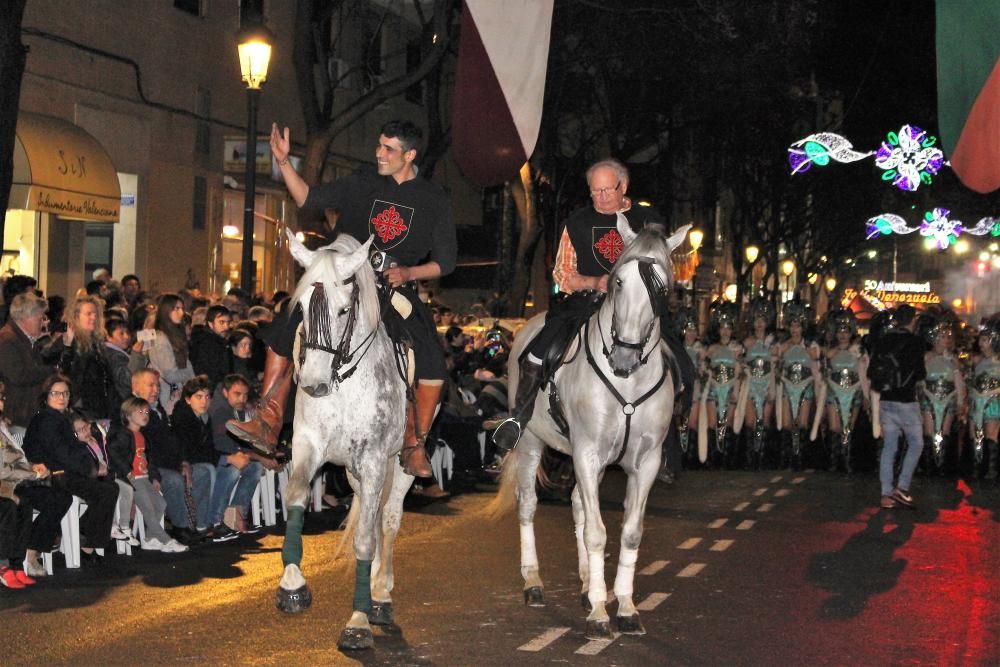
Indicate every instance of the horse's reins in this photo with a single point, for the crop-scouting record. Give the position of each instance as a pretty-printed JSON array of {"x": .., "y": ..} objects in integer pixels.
[{"x": 655, "y": 288}]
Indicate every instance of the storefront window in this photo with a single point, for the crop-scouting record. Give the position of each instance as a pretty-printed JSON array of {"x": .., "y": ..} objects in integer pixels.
[
  {"x": 270, "y": 259},
  {"x": 19, "y": 243}
]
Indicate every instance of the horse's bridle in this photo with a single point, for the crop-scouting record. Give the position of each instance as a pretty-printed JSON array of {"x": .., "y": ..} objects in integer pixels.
[
  {"x": 318, "y": 334},
  {"x": 655, "y": 288}
]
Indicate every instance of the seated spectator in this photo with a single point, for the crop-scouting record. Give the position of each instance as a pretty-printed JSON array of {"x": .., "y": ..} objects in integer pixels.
[
  {"x": 192, "y": 429},
  {"x": 127, "y": 447},
  {"x": 208, "y": 345},
  {"x": 50, "y": 440},
  {"x": 88, "y": 434},
  {"x": 240, "y": 355},
  {"x": 79, "y": 355},
  {"x": 25, "y": 488},
  {"x": 168, "y": 454},
  {"x": 20, "y": 365},
  {"x": 238, "y": 468},
  {"x": 168, "y": 352}
]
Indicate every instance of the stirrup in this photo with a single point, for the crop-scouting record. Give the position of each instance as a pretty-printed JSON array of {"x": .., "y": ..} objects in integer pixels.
[{"x": 501, "y": 446}]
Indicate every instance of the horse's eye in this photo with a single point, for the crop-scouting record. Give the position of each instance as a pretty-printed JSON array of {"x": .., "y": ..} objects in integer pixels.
[
  {"x": 343, "y": 311},
  {"x": 618, "y": 281}
]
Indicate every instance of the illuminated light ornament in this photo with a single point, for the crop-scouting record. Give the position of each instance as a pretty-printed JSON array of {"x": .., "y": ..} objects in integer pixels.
[
  {"x": 885, "y": 224},
  {"x": 937, "y": 226},
  {"x": 819, "y": 149},
  {"x": 909, "y": 158},
  {"x": 985, "y": 226}
]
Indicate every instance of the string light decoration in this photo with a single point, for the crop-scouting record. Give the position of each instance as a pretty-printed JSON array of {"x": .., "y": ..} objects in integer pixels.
[
  {"x": 936, "y": 226},
  {"x": 819, "y": 149},
  {"x": 909, "y": 158}
]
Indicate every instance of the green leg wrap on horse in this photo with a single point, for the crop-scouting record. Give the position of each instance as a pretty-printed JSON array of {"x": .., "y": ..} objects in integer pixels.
[
  {"x": 363, "y": 586},
  {"x": 291, "y": 550}
]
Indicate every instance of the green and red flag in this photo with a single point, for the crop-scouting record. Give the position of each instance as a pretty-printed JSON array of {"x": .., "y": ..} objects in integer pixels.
[{"x": 968, "y": 70}]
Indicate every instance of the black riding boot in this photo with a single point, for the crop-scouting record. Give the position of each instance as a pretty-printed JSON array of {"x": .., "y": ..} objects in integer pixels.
[
  {"x": 992, "y": 451},
  {"x": 785, "y": 459},
  {"x": 509, "y": 431},
  {"x": 848, "y": 468},
  {"x": 833, "y": 442}
]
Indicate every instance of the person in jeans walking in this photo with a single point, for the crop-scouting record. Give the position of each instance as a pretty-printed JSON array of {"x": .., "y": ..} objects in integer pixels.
[{"x": 896, "y": 368}]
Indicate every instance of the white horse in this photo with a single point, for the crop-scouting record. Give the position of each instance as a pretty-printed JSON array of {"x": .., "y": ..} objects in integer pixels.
[
  {"x": 349, "y": 410},
  {"x": 617, "y": 395}
]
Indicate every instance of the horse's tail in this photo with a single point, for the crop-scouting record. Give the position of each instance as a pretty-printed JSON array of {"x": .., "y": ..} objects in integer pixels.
[
  {"x": 349, "y": 526},
  {"x": 506, "y": 498}
]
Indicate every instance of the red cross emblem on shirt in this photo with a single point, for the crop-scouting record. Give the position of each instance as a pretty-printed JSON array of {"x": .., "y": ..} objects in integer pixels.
[
  {"x": 610, "y": 245},
  {"x": 389, "y": 224}
]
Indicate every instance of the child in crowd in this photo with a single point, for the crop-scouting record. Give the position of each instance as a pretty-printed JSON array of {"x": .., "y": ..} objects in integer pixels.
[
  {"x": 127, "y": 447},
  {"x": 93, "y": 437}
]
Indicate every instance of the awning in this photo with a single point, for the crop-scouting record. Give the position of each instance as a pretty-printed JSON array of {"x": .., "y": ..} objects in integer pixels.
[{"x": 59, "y": 168}]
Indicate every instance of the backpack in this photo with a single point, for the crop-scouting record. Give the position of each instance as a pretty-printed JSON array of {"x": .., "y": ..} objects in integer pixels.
[{"x": 886, "y": 370}]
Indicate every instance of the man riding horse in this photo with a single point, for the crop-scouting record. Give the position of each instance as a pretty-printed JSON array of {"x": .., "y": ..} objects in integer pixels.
[
  {"x": 588, "y": 249},
  {"x": 415, "y": 239}
]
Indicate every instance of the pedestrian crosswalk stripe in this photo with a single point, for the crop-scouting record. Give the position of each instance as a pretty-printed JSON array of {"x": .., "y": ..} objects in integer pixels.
[
  {"x": 721, "y": 545},
  {"x": 689, "y": 543},
  {"x": 766, "y": 507},
  {"x": 798, "y": 480},
  {"x": 718, "y": 523},
  {"x": 654, "y": 567},
  {"x": 652, "y": 602},
  {"x": 595, "y": 646},
  {"x": 760, "y": 491},
  {"x": 775, "y": 479},
  {"x": 746, "y": 525},
  {"x": 782, "y": 492},
  {"x": 691, "y": 570},
  {"x": 543, "y": 640},
  {"x": 741, "y": 507}
]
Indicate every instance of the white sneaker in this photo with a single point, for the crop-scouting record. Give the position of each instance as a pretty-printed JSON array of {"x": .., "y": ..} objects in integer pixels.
[
  {"x": 133, "y": 541},
  {"x": 33, "y": 568},
  {"x": 174, "y": 547},
  {"x": 153, "y": 544},
  {"x": 119, "y": 533}
]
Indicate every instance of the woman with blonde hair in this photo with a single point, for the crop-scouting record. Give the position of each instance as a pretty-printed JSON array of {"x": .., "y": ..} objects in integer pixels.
[{"x": 79, "y": 354}]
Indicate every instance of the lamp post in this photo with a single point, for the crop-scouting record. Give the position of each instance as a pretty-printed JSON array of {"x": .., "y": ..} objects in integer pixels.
[
  {"x": 752, "y": 253},
  {"x": 695, "y": 237},
  {"x": 254, "y": 47}
]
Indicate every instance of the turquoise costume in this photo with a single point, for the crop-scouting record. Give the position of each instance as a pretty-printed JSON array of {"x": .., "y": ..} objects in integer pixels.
[
  {"x": 797, "y": 384},
  {"x": 939, "y": 399},
  {"x": 683, "y": 428},
  {"x": 760, "y": 378},
  {"x": 843, "y": 381},
  {"x": 984, "y": 400},
  {"x": 719, "y": 386}
]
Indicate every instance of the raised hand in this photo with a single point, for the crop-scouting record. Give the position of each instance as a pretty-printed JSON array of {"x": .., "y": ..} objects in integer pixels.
[{"x": 281, "y": 143}]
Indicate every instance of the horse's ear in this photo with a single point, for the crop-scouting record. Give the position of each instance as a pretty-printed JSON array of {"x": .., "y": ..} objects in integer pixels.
[
  {"x": 625, "y": 229},
  {"x": 302, "y": 254},
  {"x": 349, "y": 264},
  {"x": 678, "y": 237}
]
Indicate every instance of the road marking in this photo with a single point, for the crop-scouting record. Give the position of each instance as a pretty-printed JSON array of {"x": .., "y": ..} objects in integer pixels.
[
  {"x": 746, "y": 525},
  {"x": 780, "y": 493},
  {"x": 721, "y": 545},
  {"x": 798, "y": 480},
  {"x": 652, "y": 602},
  {"x": 543, "y": 640},
  {"x": 595, "y": 646},
  {"x": 654, "y": 567},
  {"x": 718, "y": 523},
  {"x": 761, "y": 491},
  {"x": 689, "y": 543},
  {"x": 776, "y": 479},
  {"x": 691, "y": 570},
  {"x": 741, "y": 507},
  {"x": 766, "y": 507}
]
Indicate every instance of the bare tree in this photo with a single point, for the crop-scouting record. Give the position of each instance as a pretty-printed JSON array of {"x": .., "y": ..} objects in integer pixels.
[{"x": 13, "y": 55}]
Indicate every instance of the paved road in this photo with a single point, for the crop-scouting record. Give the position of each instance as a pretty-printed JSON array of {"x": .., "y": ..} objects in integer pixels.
[{"x": 735, "y": 568}]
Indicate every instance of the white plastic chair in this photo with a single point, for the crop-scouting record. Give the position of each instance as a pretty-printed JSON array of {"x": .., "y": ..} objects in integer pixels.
[{"x": 443, "y": 457}]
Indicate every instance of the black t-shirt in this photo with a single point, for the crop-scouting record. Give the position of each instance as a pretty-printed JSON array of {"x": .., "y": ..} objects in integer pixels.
[
  {"x": 596, "y": 240},
  {"x": 411, "y": 221},
  {"x": 908, "y": 348}
]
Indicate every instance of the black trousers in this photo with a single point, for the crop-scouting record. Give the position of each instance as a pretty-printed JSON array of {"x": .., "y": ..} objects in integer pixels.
[
  {"x": 101, "y": 496},
  {"x": 417, "y": 330},
  {"x": 20, "y": 532}
]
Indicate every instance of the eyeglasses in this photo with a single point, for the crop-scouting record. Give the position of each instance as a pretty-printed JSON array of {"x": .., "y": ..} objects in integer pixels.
[
  {"x": 143, "y": 411},
  {"x": 57, "y": 394},
  {"x": 597, "y": 192}
]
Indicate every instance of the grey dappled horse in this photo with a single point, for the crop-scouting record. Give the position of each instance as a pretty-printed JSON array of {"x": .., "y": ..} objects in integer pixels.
[
  {"x": 617, "y": 394},
  {"x": 349, "y": 410}
]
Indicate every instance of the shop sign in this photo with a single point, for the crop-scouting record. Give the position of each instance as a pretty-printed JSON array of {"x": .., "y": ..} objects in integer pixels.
[{"x": 885, "y": 294}]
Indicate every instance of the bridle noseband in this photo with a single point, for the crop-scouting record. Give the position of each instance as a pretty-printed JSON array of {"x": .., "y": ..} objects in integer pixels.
[
  {"x": 655, "y": 289},
  {"x": 318, "y": 335}
]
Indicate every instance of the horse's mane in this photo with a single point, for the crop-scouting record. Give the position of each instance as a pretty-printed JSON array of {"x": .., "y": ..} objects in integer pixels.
[
  {"x": 650, "y": 242},
  {"x": 324, "y": 270}
]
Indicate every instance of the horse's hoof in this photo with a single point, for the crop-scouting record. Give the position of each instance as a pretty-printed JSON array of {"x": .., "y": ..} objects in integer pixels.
[
  {"x": 381, "y": 613},
  {"x": 630, "y": 625},
  {"x": 534, "y": 597},
  {"x": 355, "y": 639},
  {"x": 585, "y": 603},
  {"x": 292, "y": 602},
  {"x": 599, "y": 630}
]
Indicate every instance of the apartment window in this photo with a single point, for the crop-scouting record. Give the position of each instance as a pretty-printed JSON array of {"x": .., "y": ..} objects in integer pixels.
[
  {"x": 192, "y": 7},
  {"x": 99, "y": 247},
  {"x": 200, "y": 203}
]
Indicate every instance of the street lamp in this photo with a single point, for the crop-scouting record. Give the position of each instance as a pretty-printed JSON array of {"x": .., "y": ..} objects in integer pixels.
[
  {"x": 831, "y": 284},
  {"x": 753, "y": 252},
  {"x": 787, "y": 267},
  {"x": 695, "y": 237},
  {"x": 254, "y": 47}
]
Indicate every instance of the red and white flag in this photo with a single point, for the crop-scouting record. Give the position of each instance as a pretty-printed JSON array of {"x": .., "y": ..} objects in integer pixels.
[{"x": 503, "y": 53}]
